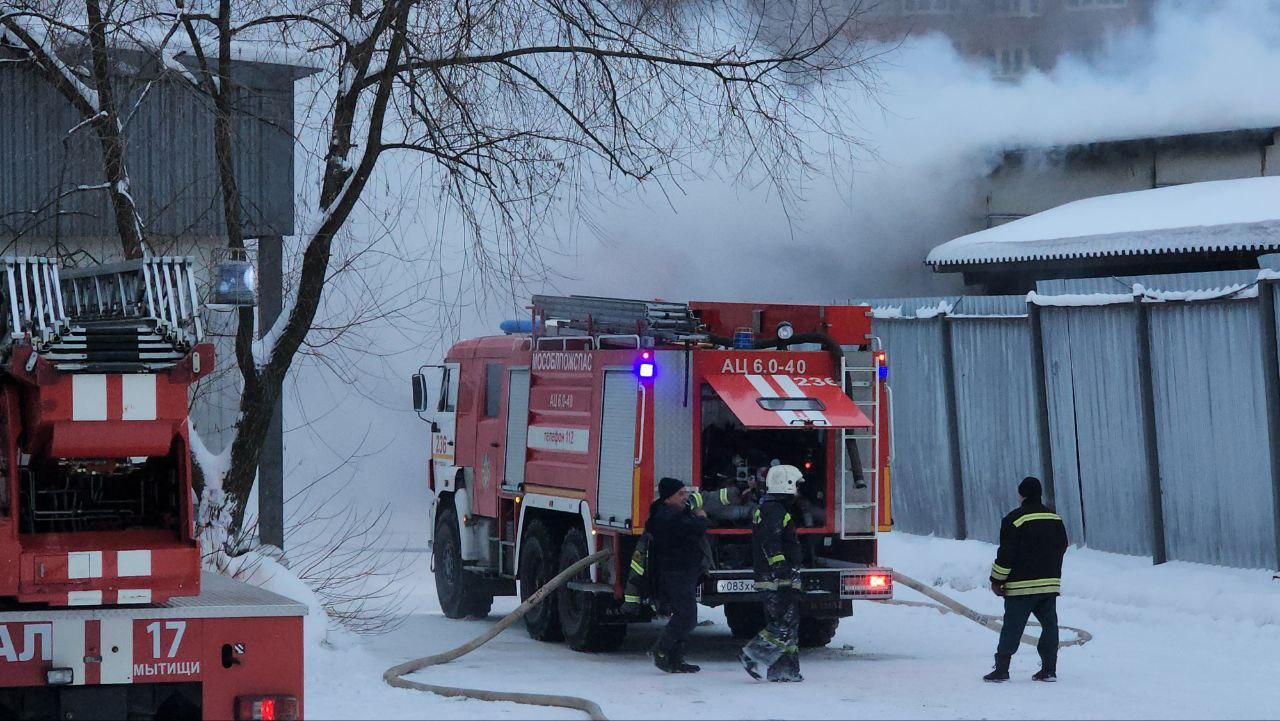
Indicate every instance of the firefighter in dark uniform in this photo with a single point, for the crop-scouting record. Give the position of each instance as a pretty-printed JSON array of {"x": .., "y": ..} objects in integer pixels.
[
  {"x": 728, "y": 505},
  {"x": 677, "y": 552},
  {"x": 777, "y": 554},
  {"x": 1028, "y": 574}
]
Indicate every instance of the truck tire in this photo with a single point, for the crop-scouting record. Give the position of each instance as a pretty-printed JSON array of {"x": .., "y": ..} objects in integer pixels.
[
  {"x": 458, "y": 590},
  {"x": 817, "y": 631},
  {"x": 581, "y": 611},
  {"x": 745, "y": 619},
  {"x": 538, "y": 565}
]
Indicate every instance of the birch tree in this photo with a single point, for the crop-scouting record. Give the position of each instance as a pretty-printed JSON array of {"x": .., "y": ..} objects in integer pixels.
[{"x": 513, "y": 106}]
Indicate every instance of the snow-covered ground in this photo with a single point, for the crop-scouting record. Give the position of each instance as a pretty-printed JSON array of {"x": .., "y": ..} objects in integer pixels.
[{"x": 1172, "y": 641}]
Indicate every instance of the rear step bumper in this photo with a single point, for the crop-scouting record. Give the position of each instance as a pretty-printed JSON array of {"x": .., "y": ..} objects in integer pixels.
[
  {"x": 85, "y": 574},
  {"x": 818, "y": 585}
]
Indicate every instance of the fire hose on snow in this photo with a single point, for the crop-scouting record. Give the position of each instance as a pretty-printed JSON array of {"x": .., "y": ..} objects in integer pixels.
[
  {"x": 394, "y": 676},
  {"x": 947, "y": 604}
]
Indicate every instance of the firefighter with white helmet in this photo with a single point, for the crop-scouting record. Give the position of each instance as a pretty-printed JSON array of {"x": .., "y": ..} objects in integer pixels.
[{"x": 777, "y": 553}]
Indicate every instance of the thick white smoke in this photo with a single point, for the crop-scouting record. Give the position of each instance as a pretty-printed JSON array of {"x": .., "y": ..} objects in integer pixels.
[
  {"x": 865, "y": 230},
  {"x": 861, "y": 230}
]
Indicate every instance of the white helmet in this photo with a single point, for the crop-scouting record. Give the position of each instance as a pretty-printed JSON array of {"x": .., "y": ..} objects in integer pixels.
[{"x": 783, "y": 479}]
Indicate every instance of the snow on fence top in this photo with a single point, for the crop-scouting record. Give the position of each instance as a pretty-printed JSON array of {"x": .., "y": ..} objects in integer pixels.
[
  {"x": 1219, "y": 215},
  {"x": 1079, "y": 292}
]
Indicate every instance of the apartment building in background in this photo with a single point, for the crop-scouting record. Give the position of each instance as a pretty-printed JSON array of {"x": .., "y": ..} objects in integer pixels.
[{"x": 1011, "y": 37}]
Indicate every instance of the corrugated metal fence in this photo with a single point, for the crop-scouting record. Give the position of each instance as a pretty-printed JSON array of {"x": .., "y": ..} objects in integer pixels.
[
  {"x": 51, "y": 166},
  {"x": 1166, "y": 394}
]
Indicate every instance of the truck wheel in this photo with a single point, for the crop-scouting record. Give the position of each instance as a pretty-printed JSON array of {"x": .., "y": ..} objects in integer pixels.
[
  {"x": 457, "y": 589},
  {"x": 581, "y": 611},
  {"x": 817, "y": 631},
  {"x": 538, "y": 555},
  {"x": 745, "y": 619}
]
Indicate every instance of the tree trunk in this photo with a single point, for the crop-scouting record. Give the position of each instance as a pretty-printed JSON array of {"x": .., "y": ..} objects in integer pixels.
[
  {"x": 111, "y": 137},
  {"x": 341, "y": 189}
]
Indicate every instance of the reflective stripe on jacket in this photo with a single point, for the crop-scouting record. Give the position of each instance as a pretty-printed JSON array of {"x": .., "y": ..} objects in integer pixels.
[
  {"x": 639, "y": 586},
  {"x": 775, "y": 547},
  {"x": 1033, "y": 540}
]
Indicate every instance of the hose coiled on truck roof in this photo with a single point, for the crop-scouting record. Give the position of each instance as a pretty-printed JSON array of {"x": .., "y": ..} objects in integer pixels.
[{"x": 394, "y": 675}]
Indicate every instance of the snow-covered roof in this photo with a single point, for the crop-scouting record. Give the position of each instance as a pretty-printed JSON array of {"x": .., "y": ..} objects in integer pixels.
[{"x": 1221, "y": 215}]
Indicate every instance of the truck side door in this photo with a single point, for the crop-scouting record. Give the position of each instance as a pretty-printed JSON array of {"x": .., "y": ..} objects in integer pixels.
[
  {"x": 491, "y": 432},
  {"x": 444, "y": 437}
]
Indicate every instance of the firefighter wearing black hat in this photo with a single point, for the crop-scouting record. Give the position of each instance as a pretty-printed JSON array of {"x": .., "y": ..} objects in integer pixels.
[
  {"x": 677, "y": 532},
  {"x": 1028, "y": 574},
  {"x": 777, "y": 553}
]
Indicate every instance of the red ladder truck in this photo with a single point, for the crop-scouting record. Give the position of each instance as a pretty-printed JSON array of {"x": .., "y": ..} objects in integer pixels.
[
  {"x": 547, "y": 444},
  {"x": 104, "y": 612}
]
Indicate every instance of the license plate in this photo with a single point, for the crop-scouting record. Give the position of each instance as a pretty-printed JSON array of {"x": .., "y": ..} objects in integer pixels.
[{"x": 735, "y": 585}]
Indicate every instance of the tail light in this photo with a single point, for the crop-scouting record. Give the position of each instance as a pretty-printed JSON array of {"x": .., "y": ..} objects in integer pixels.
[
  {"x": 266, "y": 708},
  {"x": 877, "y": 584}
]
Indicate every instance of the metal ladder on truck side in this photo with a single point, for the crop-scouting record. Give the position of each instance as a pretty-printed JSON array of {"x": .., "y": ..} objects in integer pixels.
[{"x": 859, "y": 501}]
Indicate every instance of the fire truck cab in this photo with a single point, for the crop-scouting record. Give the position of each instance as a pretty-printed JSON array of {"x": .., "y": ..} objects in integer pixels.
[{"x": 547, "y": 444}]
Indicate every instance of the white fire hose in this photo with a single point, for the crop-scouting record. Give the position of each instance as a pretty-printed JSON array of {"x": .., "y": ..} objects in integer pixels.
[
  {"x": 947, "y": 604},
  {"x": 394, "y": 675}
]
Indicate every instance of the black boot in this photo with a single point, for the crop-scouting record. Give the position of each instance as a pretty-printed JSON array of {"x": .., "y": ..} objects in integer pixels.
[
  {"x": 669, "y": 662},
  {"x": 1001, "y": 672},
  {"x": 1048, "y": 670},
  {"x": 681, "y": 665},
  {"x": 786, "y": 669}
]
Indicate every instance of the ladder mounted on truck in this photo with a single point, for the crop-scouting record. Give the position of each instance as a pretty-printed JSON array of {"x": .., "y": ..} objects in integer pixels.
[
  {"x": 138, "y": 315},
  {"x": 582, "y": 315},
  {"x": 858, "y": 510}
]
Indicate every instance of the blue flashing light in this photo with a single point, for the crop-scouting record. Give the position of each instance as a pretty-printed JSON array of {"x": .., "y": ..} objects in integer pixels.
[
  {"x": 744, "y": 339},
  {"x": 523, "y": 325},
  {"x": 884, "y": 373},
  {"x": 645, "y": 367}
]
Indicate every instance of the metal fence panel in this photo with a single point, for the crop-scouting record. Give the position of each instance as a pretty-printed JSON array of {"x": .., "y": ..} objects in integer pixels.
[
  {"x": 998, "y": 437},
  {"x": 922, "y": 489},
  {"x": 1211, "y": 424},
  {"x": 1110, "y": 444},
  {"x": 1061, "y": 407}
]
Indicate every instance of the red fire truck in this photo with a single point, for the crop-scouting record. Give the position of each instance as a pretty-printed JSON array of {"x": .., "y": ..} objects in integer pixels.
[
  {"x": 547, "y": 444},
  {"x": 103, "y": 610}
]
